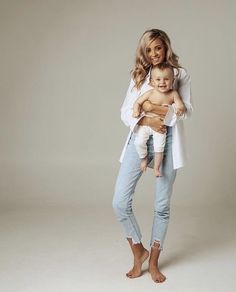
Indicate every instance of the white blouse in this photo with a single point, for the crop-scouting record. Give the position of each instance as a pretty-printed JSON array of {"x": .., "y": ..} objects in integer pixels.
[{"x": 182, "y": 84}]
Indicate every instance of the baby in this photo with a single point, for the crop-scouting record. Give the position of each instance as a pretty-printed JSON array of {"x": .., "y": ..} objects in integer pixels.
[{"x": 162, "y": 78}]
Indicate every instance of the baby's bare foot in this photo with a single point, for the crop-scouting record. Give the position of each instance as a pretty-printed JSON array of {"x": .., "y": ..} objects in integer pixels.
[
  {"x": 136, "y": 271},
  {"x": 156, "y": 275},
  {"x": 157, "y": 172},
  {"x": 143, "y": 164}
]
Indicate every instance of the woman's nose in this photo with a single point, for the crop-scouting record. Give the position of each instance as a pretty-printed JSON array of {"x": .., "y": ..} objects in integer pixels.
[{"x": 152, "y": 54}]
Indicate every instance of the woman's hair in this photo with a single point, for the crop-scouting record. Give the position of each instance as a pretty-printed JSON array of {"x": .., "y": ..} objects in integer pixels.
[{"x": 142, "y": 63}]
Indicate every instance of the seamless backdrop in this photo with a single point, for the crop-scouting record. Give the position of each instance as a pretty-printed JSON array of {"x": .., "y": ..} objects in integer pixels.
[{"x": 64, "y": 73}]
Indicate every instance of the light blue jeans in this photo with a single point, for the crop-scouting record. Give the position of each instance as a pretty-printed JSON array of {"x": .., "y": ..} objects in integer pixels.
[{"x": 127, "y": 179}]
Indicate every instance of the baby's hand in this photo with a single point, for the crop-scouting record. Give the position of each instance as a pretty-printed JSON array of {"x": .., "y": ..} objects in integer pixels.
[
  {"x": 136, "y": 114},
  {"x": 180, "y": 110},
  {"x": 136, "y": 110}
]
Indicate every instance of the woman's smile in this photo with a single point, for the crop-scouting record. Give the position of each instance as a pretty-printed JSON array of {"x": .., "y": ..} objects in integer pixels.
[{"x": 155, "y": 60}]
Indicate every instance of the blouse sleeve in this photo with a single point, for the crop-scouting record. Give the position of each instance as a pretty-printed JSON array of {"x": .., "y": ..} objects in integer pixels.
[
  {"x": 184, "y": 90},
  {"x": 127, "y": 107}
]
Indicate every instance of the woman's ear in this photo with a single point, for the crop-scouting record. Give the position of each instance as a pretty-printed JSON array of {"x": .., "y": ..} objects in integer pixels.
[
  {"x": 174, "y": 80},
  {"x": 151, "y": 82}
]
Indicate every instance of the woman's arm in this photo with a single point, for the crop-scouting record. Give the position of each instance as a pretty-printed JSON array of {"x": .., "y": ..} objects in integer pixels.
[
  {"x": 159, "y": 110},
  {"x": 127, "y": 110},
  {"x": 127, "y": 107}
]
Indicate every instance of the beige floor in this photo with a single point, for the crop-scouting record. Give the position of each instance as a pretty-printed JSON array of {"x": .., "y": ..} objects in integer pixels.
[{"x": 81, "y": 248}]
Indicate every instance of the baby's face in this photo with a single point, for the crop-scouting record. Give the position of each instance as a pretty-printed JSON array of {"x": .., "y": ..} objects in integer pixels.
[{"x": 162, "y": 80}]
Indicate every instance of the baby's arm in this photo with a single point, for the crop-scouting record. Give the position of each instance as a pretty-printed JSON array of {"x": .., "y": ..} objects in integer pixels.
[
  {"x": 138, "y": 103},
  {"x": 180, "y": 107}
]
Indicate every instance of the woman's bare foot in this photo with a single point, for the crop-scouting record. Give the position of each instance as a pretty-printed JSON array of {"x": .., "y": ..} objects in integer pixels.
[
  {"x": 136, "y": 271},
  {"x": 156, "y": 275},
  {"x": 140, "y": 256},
  {"x": 153, "y": 269}
]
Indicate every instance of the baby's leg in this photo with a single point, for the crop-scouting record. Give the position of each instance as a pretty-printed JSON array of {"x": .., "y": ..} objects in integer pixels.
[
  {"x": 157, "y": 163},
  {"x": 159, "y": 141},
  {"x": 144, "y": 163},
  {"x": 140, "y": 142}
]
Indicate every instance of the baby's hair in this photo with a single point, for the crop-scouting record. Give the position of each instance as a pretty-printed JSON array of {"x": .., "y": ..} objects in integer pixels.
[{"x": 163, "y": 66}]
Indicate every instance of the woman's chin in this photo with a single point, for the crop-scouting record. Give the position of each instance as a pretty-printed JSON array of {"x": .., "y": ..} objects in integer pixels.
[{"x": 156, "y": 63}]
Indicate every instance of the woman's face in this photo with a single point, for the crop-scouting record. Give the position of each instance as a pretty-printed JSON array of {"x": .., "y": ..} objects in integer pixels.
[{"x": 156, "y": 52}]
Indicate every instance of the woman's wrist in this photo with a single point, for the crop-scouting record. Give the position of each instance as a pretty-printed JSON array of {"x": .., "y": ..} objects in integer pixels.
[{"x": 144, "y": 121}]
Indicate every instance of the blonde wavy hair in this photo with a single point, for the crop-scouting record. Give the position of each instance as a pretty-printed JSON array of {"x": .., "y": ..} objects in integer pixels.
[{"x": 142, "y": 63}]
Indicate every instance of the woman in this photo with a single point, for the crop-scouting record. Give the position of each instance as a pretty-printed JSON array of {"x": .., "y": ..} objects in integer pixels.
[{"x": 154, "y": 48}]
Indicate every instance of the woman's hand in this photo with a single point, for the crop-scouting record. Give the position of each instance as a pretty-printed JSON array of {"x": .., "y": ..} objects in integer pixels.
[
  {"x": 160, "y": 110},
  {"x": 156, "y": 123}
]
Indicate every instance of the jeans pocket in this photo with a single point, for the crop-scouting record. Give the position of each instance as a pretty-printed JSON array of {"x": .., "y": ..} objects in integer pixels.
[{"x": 131, "y": 137}]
